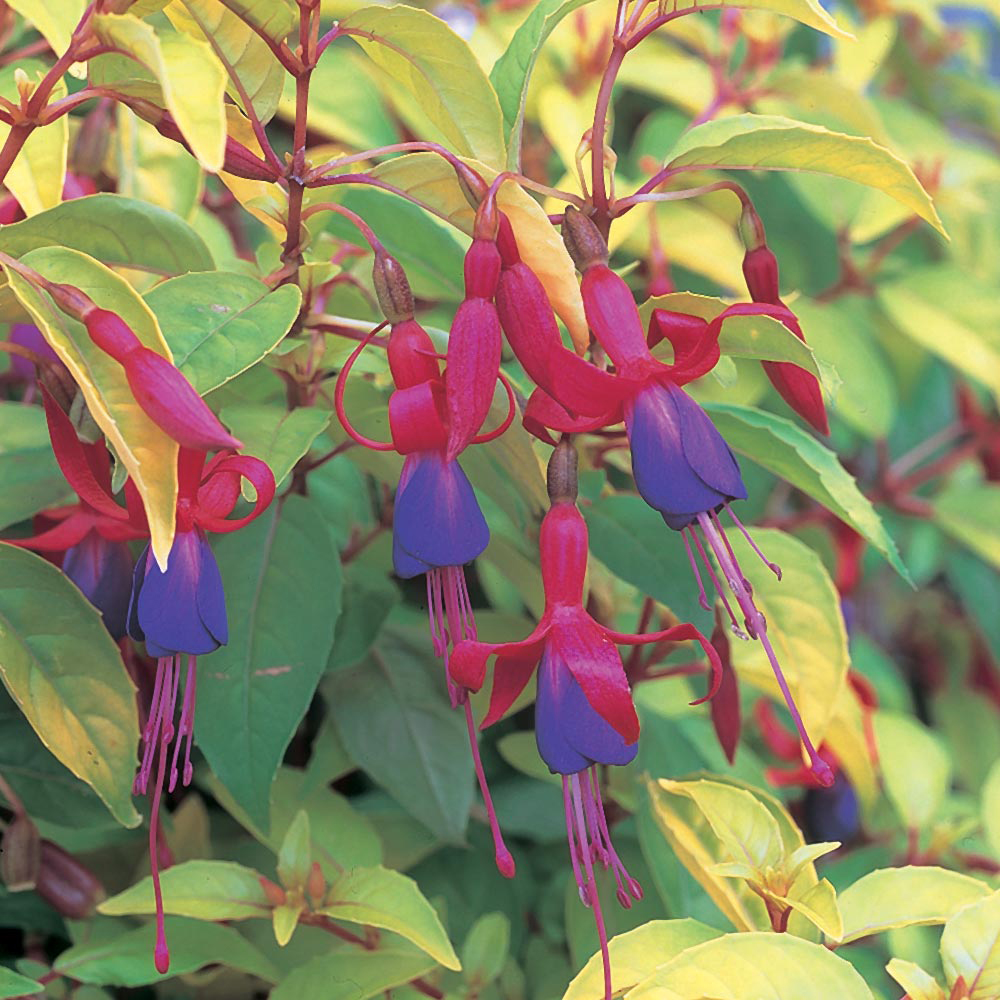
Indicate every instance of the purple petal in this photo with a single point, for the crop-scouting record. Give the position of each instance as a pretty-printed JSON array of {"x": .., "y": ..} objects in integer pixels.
[
  {"x": 211, "y": 596},
  {"x": 103, "y": 571},
  {"x": 138, "y": 579},
  {"x": 570, "y": 734},
  {"x": 437, "y": 519},
  {"x": 26, "y": 335},
  {"x": 404, "y": 565},
  {"x": 168, "y": 603},
  {"x": 706, "y": 451}
]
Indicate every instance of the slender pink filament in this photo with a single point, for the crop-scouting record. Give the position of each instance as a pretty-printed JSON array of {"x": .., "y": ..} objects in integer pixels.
[
  {"x": 702, "y": 596},
  {"x": 773, "y": 567},
  {"x": 504, "y": 859},
  {"x": 737, "y": 631}
]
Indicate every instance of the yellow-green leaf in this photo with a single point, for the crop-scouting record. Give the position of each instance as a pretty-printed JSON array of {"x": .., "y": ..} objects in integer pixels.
[
  {"x": 900, "y": 897},
  {"x": 285, "y": 919},
  {"x": 755, "y": 966},
  {"x": 770, "y": 142},
  {"x": 55, "y": 21},
  {"x": 275, "y": 18},
  {"x": 190, "y": 74},
  {"x": 807, "y": 12},
  {"x": 916, "y": 768},
  {"x": 991, "y": 808},
  {"x": 67, "y": 677},
  {"x": 423, "y": 54},
  {"x": 819, "y": 906},
  {"x": 970, "y": 513},
  {"x": 208, "y": 890},
  {"x": 970, "y": 948},
  {"x": 379, "y": 897},
  {"x": 244, "y": 54},
  {"x": 637, "y": 954},
  {"x": 919, "y": 985},
  {"x": 295, "y": 855},
  {"x": 804, "y": 624},
  {"x": 36, "y": 177},
  {"x": 149, "y": 455}
]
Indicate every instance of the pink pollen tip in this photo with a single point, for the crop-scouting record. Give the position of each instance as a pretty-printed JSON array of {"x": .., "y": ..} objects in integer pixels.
[
  {"x": 505, "y": 863},
  {"x": 161, "y": 957},
  {"x": 823, "y": 773},
  {"x": 635, "y": 889},
  {"x": 624, "y": 899}
]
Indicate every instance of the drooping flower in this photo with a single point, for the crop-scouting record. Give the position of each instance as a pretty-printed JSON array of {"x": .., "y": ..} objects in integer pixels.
[
  {"x": 584, "y": 714},
  {"x": 438, "y": 526},
  {"x": 682, "y": 466},
  {"x": 181, "y": 612},
  {"x": 93, "y": 533}
]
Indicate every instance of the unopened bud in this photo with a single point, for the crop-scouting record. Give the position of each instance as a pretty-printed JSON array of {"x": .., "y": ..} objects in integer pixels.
[
  {"x": 66, "y": 885},
  {"x": 482, "y": 270},
  {"x": 473, "y": 186},
  {"x": 395, "y": 296},
  {"x": 24, "y": 85},
  {"x": 241, "y": 162},
  {"x": 110, "y": 333},
  {"x": 752, "y": 228},
  {"x": 276, "y": 896},
  {"x": 20, "y": 854},
  {"x": 316, "y": 884},
  {"x": 561, "y": 476},
  {"x": 583, "y": 240}
]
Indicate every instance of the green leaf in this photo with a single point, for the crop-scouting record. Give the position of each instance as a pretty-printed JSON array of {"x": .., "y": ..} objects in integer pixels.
[
  {"x": 13, "y": 984},
  {"x": 392, "y": 713},
  {"x": 624, "y": 530},
  {"x": 511, "y": 73},
  {"x": 354, "y": 975},
  {"x": 282, "y": 580},
  {"x": 901, "y": 897},
  {"x": 66, "y": 675},
  {"x": 380, "y": 897},
  {"x": 970, "y": 513},
  {"x": 285, "y": 918},
  {"x": 219, "y": 325},
  {"x": 191, "y": 76},
  {"x": 423, "y": 54},
  {"x": 770, "y": 142},
  {"x": 28, "y": 469},
  {"x": 636, "y": 955},
  {"x": 916, "y": 768},
  {"x": 755, "y": 965},
  {"x": 794, "y": 455},
  {"x": 991, "y": 807},
  {"x": 970, "y": 948},
  {"x": 146, "y": 451},
  {"x": 206, "y": 890},
  {"x": 127, "y": 960},
  {"x": 295, "y": 854},
  {"x": 486, "y": 948},
  {"x": 118, "y": 231},
  {"x": 274, "y": 434},
  {"x": 275, "y": 18},
  {"x": 244, "y": 54}
]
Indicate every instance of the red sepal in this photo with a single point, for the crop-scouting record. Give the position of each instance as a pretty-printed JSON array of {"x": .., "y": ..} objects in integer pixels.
[
  {"x": 473, "y": 364},
  {"x": 412, "y": 358},
  {"x": 510, "y": 677},
  {"x": 760, "y": 269},
  {"x": 799, "y": 389},
  {"x": 727, "y": 718},
  {"x": 562, "y": 545},
  {"x": 614, "y": 318},
  {"x": 482, "y": 270},
  {"x": 468, "y": 660},
  {"x": 415, "y": 419},
  {"x": 72, "y": 455},
  {"x": 544, "y": 412},
  {"x": 528, "y": 321},
  {"x": 170, "y": 401},
  {"x": 59, "y": 537},
  {"x": 259, "y": 475}
]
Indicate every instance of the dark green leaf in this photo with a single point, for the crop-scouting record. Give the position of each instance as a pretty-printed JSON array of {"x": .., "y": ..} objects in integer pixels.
[
  {"x": 12, "y": 984},
  {"x": 282, "y": 580}
]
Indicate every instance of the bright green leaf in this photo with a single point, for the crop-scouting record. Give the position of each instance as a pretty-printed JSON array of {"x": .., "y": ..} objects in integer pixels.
[
  {"x": 285, "y": 918},
  {"x": 127, "y": 960},
  {"x": 755, "y": 965},
  {"x": 915, "y": 767},
  {"x": 206, "y": 890},
  {"x": 218, "y": 324},
  {"x": 900, "y": 897},
  {"x": 970, "y": 948},
  {"x": 427, "y": 58},
  {"x": 794, "y": 455},
  {"x": 191, "y": 76},
  {"x": 118, "y": 231},
  {"x": 636, "y": 955},
  {"x": 380, "y": 897},
  {"x": 769, "y": 142},
  {"x": 485, "y": 949},
  {"x": 62, "y": 668},
  {"x": 282, "y": 580},
  {"x": 148, "y": 453},
  {"x": 970, "y": 513},
  {"x": 295, "y": 854}
]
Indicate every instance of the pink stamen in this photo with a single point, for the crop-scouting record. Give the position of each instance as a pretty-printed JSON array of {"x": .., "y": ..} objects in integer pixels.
[
  {"x": 504, "y": 859},
  {"x": 571, "y": 838},
  {"x": 186, "y": 728},
  {"x": 161, "y": 953},
  {"x": 702, "y": 596},
  {"x": 773, "y": 567},
  {"x": 758, "y": 626},
  {"x": 735, "y": 627},
  {"x": 634, "y": 888}
]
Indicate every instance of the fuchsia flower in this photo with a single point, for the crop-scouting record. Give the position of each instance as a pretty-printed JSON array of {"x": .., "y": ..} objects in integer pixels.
[
  {"x": 682, "y": 466},
  {"x": 584, "y": 714},
  {"x": 181, "y": 611},
  {"x": 438, "y": 526},
  {"x": 93, "y": 533}
]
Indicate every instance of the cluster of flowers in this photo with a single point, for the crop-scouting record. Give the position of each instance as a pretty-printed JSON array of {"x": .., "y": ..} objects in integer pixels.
[{"x": 584, "y": 713}]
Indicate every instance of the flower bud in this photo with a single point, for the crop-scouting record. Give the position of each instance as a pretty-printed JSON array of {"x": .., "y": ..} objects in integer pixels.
[
  {"x": 316, "y": 884},
  {"x": 482, "y": 270},
  {"x": 66, "y": 885},
  {"x": 760, "y": 269},
  {"x": 111, "y": 333},
  {"x": 473, "y": 186},
  {"x": 507, "y": 242},
  {"x": 395, "y": 297},
  {"x": 20, "y": 854},
  {"x": 242, "y": 162},
  {"x": 561, "y": 474},
  {"x": 752, "y": 228},
  {"x": 276, "y": 896},
  {"x": 412, "y": 357},
  {"x": 583, "y": 240}
]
